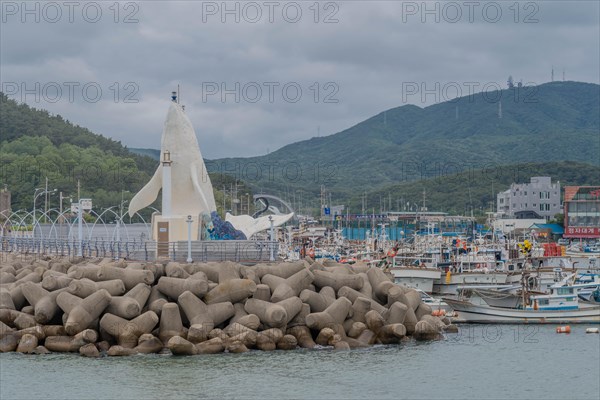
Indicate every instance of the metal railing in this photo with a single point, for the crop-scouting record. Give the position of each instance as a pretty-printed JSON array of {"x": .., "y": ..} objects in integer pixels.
[{"x": 243, "y": 251}]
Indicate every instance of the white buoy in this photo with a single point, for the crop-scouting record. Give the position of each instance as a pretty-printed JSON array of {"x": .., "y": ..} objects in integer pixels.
[{"x": 592, "y": 330}]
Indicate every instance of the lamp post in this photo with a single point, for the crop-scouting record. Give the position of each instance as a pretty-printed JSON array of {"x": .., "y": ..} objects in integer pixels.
[
  {"x": 35, "y": 196},
  {"x": 272, "y": 239},
  {"x": 189, "y": 222},
  {"x": 61, "y": 218},
  {"x": 80, "y": 228}
]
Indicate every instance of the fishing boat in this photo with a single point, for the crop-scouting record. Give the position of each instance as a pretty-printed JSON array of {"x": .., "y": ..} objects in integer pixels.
[
  {"x": 476, "y": 272},
  {"x": 435, "y": 304},
  {"x": 417, "y": 272},
  {"x": 560, "y": 306}
]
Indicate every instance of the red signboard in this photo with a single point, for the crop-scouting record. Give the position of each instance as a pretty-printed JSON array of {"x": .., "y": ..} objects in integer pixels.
[{"x": 582, "y": 232}]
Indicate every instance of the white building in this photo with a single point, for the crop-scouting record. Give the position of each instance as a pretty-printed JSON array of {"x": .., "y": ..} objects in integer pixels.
[{"x": 540, "y": 198}]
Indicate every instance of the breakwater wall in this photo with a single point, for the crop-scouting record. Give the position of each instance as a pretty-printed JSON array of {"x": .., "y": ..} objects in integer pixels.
[{"x": 117, "y": 308}]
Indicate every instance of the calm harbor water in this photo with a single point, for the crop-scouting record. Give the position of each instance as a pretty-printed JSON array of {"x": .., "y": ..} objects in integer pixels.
[{"x": 479, "y": 362}]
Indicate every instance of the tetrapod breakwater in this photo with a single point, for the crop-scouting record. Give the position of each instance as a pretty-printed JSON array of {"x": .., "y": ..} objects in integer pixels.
[{"x": 117, "y": 308}]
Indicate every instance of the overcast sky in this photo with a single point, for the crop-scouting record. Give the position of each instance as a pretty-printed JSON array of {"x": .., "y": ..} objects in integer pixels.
[{"x": 241, "y": 66}]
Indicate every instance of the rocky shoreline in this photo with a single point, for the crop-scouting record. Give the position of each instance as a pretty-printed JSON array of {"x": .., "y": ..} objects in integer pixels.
[{"x": 116, "y": 308}]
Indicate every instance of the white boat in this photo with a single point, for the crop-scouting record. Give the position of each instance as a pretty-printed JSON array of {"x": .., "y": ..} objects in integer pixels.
[
  {"x": 435, "y": 304},
  {"x": 472, "y": 313},
  {"x": 468, "y": 274},
  {"x": 561, "y": 306},
  {"x": 415, "y": 271},
  {"x": 416, "y": 277}
]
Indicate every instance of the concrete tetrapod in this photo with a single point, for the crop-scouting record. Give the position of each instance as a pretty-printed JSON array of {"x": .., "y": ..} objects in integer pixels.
[
  {"x": 148, "y": 343},
  {"x": 265, "y": 343},
  {"x": 180, "y": 346},
  {"x": 337, "y": 281},
  {"x": 201, "y": 322},
  {"x": 287, "y": 342},
  {"x": 174, "y": 270},
  {"x": 425, "y": 330},
  {"x": 290, "y": 287},
  {"x": 389, "y": 334},
  {"x": 174, "y": 287},
  {"x": 352, "y": 295},
  {"x": 231, "y": 290},
  {"x": 54, "y": 282},
  {"x": 156, "y": 300},
  {"x": 356, "y": 329},
  {"x": 303, "y": 336},
  {"x": 128, "y": 332},
  {"x": 318, "y": 301},
  {"x": 84, "y": 271},
  {"x": 271, "y": 315},
  {"x": 263, "y": 292},
  {"x": 282, "y": 270},
  {"x": 130, "y": 277},
  {"x": 89, "y": 309},
  {"x": 27, "y": 344},
  {"x": 242, "y": 317},
  {"x": 89, "y": 350},
  {"x": 43, "y": 302},
  {"x": 211, "y": 346},
  {"x": 131, "y": 304},
  {"x": 300, "y": 318},
  {"x": 227, "y": 271},
  {"x": 292, "y": 306},
  {"x": 170, "y": 322},
  {"x": 85, "y": 287},
  {"x": 336, "y": 313}
]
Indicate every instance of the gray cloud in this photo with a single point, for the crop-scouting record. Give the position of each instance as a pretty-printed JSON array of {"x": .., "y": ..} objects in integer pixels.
[{"x": 366, "y": 57}]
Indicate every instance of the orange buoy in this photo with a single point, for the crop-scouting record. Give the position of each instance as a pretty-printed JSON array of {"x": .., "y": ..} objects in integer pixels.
[{"x": 563, "y": 329}]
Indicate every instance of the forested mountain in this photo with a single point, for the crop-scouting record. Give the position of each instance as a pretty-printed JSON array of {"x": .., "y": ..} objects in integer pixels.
[
  {"x": 35, "y": 145},
  {"x": 459, "y": 152},
  {"x": 557, "y": 121}
]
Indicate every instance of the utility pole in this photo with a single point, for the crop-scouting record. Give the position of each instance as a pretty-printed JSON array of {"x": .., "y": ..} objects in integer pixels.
[
  {"x": 363, "y": 202},
  {"x": 46, "y": 201}
]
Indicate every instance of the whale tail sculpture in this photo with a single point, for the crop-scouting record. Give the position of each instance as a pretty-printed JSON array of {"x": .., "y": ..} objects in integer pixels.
[
  {"x": 249, "y": 225},
  {"x": 190, "y": 186},
  {"x": 187, "y": 193}
]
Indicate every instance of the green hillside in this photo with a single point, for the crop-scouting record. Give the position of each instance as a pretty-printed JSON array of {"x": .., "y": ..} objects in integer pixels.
[
  {"x": 35, "y": 145},
  {"x": 556, "y": 121},
  {"x": 152, "y": 153},
  {"x": 449, "y": 150},
  {"x": 471, "y": 190}
]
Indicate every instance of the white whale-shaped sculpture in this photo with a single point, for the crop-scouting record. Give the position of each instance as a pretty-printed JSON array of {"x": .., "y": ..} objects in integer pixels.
[
  {"x": 191, "y": 189},
  {"x": 249, "y": 226}
]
